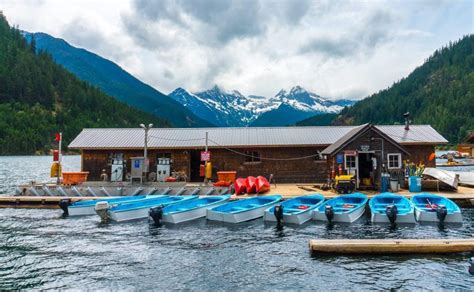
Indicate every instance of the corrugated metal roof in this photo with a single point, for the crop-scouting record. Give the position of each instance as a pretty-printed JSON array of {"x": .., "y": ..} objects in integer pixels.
[
  {"x": 133, "y": 138},
  {"x": 417, "y": 134},
  {"x": 333, "y": 147}
]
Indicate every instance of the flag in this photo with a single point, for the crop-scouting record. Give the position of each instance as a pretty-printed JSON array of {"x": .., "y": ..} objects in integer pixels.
[{"x": 57, "y": 137}]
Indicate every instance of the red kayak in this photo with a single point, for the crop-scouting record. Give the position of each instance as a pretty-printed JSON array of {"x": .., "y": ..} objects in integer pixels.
[
  {"x": 221, "y": 183},
  {"x": 251, "y": 184},
  {"x": 240, "y": 186},
  {"x": 262, "y": 185}
]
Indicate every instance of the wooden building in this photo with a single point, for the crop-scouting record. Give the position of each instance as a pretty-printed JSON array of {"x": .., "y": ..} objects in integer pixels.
[
  {"x": 291, "y": 154},
  {"x": 467, "y": 148}
]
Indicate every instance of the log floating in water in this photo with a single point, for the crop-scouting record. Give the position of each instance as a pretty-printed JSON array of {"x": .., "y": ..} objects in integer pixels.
[{"x": 390, "y": 246}]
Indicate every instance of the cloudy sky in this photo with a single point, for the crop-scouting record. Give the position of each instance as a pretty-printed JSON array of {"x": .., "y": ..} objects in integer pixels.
[{"x": 335, "y": 48}]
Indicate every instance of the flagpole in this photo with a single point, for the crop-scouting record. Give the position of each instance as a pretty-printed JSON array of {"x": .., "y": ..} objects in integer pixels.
[{"x": 60, "y": 157}]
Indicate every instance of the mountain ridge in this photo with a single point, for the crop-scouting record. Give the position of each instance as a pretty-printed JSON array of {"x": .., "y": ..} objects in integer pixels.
[
  {"x": 114, "y": 80},
  {"x": 231, "y": 108},
  {"x": 440, "y": 93}
]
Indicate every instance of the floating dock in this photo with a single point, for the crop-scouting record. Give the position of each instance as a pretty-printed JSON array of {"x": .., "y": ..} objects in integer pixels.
[
  {"x": 48, "y": 196},
  {"x": 390, "y": 246}
]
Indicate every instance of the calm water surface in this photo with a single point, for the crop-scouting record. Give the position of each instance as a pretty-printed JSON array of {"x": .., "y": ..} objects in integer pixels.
[{"x": 40, "y": 250}]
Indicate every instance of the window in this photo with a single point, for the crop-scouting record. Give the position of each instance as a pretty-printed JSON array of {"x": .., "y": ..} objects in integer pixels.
[
  {"x": 350, "y": 161},
  {"x": 394, "y": 160},
  {"x": 252, "y": 156}
]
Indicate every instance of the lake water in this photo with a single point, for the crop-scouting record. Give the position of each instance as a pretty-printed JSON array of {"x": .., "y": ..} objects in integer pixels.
[{"x": 40, "y": 250}]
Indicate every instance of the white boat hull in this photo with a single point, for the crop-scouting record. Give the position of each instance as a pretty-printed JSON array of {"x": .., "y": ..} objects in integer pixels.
[
  {"x": 238, "y": 217},
  {"x": 290, "y": 218},
  {"x": 408, "y": 218},
  {"x": 180, "y": 217},
  {"x": 448, "y": 177},
  {"x": 129, "y": 214},
  {"x": 344, "y": 218},
  {"x": 421, "y": 216},
  {"x": 81, "y": 211}
]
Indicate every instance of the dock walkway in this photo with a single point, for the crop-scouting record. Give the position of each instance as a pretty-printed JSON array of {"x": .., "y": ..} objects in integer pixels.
[
  {"x": 464, "y": 196},
  {"x": 390, "y": 246}
]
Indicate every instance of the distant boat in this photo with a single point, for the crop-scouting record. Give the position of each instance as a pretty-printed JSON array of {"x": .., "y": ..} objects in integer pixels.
[
  {"x": 297, "y": 210},
  {"x": 87, "y": 207},
  {"x": 391, "y": 208},
  {"x": 242, "y": 210},
  {"x": 434, "y": 208},
  {"x": 448, "y": 177},
  {"x": 188, "y": 210},
  {"x": 136, "y": 209},
  {"x": 240, "y": 186},
  {"x": 262, "y": 185},
  {"x": 250, "y": 184},
  {"x": 345, "y": 208}
]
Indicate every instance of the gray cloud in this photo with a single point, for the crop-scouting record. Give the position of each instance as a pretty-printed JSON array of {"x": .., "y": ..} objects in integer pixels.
[
  {"x": 362, "y": 38},
  {"x": 80, "y": 33}
]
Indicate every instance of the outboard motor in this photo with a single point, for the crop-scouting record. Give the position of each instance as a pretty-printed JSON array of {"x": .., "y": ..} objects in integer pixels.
[
  {"x": 102, "y": 208},
  {"x": 391, "y": 211},
  {"x": 329, "y": 211},
  {"x": 471, "y": 266},
  {"x": 441, "y": 213},
  {"x": 278, "y": 212},
  {"x": 156, "y": 213},
  {"x": 64, "y": 204}
]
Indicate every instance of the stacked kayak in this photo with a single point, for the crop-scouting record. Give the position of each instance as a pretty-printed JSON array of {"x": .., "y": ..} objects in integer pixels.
[
  {"x": 251, "y": 184},
  {"x": 87, "y": 207},
  {"x": 136, "y": 209},
  {"x": 242, "y": 210},
  {"x": 296, "y": 211},
  {"x": 345, "y": 208},
  {"x": 262, "y": 185},
  {"x": 391, "y": 208},
  {"x": 187, "y": 210},
  {"x": 434, "y": 208},
  {"x": 240, "y": 186}
]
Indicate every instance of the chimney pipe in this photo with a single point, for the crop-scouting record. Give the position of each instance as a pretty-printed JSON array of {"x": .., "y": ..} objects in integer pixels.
[{"x": 407, "y": 120}]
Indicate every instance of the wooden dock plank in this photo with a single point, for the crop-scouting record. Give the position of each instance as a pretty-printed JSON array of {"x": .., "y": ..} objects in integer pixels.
[{"x": 390, "y": 246}]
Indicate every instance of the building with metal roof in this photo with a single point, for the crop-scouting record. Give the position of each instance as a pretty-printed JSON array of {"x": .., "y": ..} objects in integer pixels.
[
  {"x": 290, "y": 154},
  {"x": 169, "y": 138}
]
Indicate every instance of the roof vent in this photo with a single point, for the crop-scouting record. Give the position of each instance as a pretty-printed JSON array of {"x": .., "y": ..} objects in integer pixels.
[{"x": 407, "y": 120}]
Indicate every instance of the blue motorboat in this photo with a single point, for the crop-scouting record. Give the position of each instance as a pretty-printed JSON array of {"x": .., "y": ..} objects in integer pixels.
[
  {"x": 296, "y": 210},
  {"x": 345, "y": 208},
  {"x": 188, "y": 210},
  {"x": 87, "y": 207},
  {"x": 243, "y": 210},
  {"x": 433, "y": 208},
  {"x": 137, "y": 209},
  {"x": 391, "y": 208}
]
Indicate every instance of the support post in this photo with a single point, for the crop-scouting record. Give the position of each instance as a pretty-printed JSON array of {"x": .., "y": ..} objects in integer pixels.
[{"x": 205, "y": 162}]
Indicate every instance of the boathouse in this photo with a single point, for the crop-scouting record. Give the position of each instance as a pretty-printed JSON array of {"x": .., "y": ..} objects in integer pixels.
[{"x": 291, "y": 154}]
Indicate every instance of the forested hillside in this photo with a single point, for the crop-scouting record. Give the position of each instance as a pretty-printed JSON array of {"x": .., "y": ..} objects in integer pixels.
[
  {"x": 115, "y": 81},
  {"x": 439, "y": 93},
  {"x": 39, "y": 97}
]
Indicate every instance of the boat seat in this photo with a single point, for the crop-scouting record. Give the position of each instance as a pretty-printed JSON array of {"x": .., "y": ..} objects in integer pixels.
[
  {"x": 292, "y": 210},
  {"x": 236, "y": 209}
]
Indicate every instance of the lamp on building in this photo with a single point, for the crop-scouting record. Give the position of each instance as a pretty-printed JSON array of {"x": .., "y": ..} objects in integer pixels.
[{"x": 145, "y": 148}]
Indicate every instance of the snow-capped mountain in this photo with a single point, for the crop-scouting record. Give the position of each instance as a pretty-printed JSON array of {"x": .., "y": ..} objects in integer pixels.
[{"x": 230, "y": 109}]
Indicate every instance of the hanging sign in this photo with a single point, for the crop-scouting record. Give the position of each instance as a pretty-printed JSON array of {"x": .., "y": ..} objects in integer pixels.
[
  {"x": 339, "y": 158},
  {"x": 350, "y": 152},
  {"x": 205, "y": 155},
  {"x": 364, "y": 147}
]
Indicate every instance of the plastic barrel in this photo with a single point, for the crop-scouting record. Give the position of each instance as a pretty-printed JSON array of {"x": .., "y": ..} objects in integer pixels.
[
  {"x": 394, "y": 185},
  {"x": 414, "y": 184}
]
